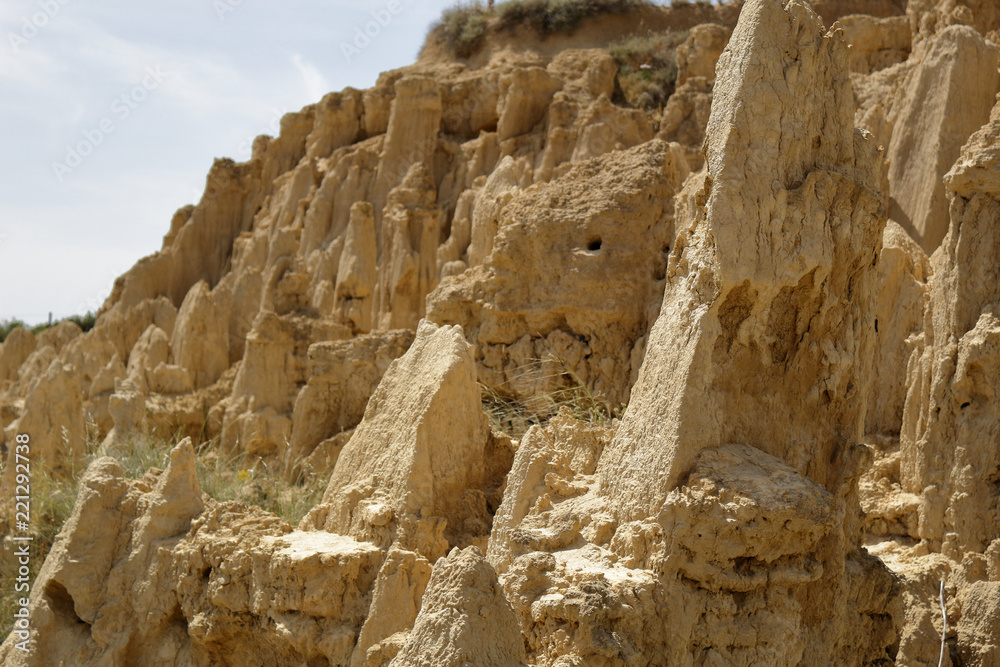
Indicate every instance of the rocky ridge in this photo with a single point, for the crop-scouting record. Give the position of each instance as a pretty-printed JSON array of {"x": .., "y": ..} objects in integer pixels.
[{"x": 788, "y": 275}]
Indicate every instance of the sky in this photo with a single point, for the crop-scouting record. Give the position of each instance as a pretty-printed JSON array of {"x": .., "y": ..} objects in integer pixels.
[{"x": 111, "y": 113}]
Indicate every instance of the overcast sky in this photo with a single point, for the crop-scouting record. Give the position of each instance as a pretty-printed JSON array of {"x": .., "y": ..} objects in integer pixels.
[{"x": 112, "y": 112}]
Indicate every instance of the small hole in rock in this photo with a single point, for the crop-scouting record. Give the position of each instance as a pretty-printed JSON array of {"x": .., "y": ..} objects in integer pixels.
[
  {"x": 595, "y": 244},
  {"x": 966, "y": 404}
]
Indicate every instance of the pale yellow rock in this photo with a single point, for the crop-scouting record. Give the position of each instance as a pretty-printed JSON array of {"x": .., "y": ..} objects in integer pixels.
[
  {"x": 200, "y": 339},
  {"x": 151, "y": 350},
  {"x": 395, "y": 603},
  {"x": 719, "y": 524},
  {"x": 258, "y": 412},
  {"x": 604, "y": 127},
  {"x": 685, "y": 117},
  {"x": 416, "y": 461},
  {"x": 734, "y": 309},
  {"x": 699, "y": 53},
  {"x": 357, "y": 272},
  {"x": 342, "y": 377},
  {"x": 411, "y": 234},
  {"x": 766, "y": 332},
  {"x": 213, "y": 584},
  {"x": 337, "y": 124},
  {"x": 609, "y": 221},
  {"x": 169, "y": 379},
  {"x": 498, "y": 190},
  {"x": 951, "y": 430},
  {"x": 127, "y": 407},
  {"x": 464, "y": 618},
  {"x": 929, "y": 17},
  {"x": 411, "y": 137},
  {"x": 59, "y": 336},
  {"x": 979, "y": 628},
  {"x": 524, "y": 97},
  {"x": 876, "y": 43},
  {"x": 52, "y": 420},
  {"x": 903, "y": 273},
  {"x": 945, "y": 98},
  {"x": 552, "y": 464},
  {"x": 18, "y": 345}
]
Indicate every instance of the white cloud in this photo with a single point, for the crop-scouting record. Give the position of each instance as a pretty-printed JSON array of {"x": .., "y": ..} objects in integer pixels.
[{"x": 316, "y": 85}]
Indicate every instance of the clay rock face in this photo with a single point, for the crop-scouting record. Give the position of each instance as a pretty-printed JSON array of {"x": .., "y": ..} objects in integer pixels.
[
  {"x": 53, "y": 419},
  {"x": 411, "y": 235},
  {"x": 951, "y": 431},
  {"x": 685, "y": 115},
  {"x": 14, "y": 351},
  {"x": 413, "y": 467},
  {"x": 396, "y": 598},
  {"x": 735, "y": 311},
  {"x": 554, "y": 464},
  {"x": 903, "y": 293},
  {"x": 979, "y": 629},
  {"x": 700, "y": 52},
  {"x": 946, "y": 98},
  {"x": 200, "y": 340},
  {"x": 342, "y": 376},
  {"x": 214, "y": 584},
  {"x": 85, "y": 592},
  {"x": 929, "y": 17},
  {"x": 765, "y": 338},
  {"x": 608, "y": 221},
  {"x": 464, "y": 618},
  {"x": 257, "y": 414},
  {"x": 876, "y": 43}
]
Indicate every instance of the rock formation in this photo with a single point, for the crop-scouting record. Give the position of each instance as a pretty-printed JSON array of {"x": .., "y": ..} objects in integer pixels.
[{"x": 745, "y": 348}]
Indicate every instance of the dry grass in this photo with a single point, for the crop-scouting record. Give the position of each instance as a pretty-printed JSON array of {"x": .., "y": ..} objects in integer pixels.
[
  {"x": 223, "y": 478},
  {"x": 514, "y": 416}
]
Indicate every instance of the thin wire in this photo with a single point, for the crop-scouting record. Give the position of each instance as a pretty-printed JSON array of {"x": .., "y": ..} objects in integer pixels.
[{"x": 944, "y": 625}]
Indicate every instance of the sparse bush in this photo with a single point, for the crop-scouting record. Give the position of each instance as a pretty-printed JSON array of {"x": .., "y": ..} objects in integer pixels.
[
  {"x": 6, "y": 326},
  {"x": 647, "y": 68},
  {"x": 85, "y": 322},
  {"x": 464, "y": 28},
  {"x": 549, "y": 16}
]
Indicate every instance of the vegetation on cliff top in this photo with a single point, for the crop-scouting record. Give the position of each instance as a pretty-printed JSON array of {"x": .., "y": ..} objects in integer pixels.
[
  {"x": 85, "y": 322},
  {"x": 465, "y": 25}
]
